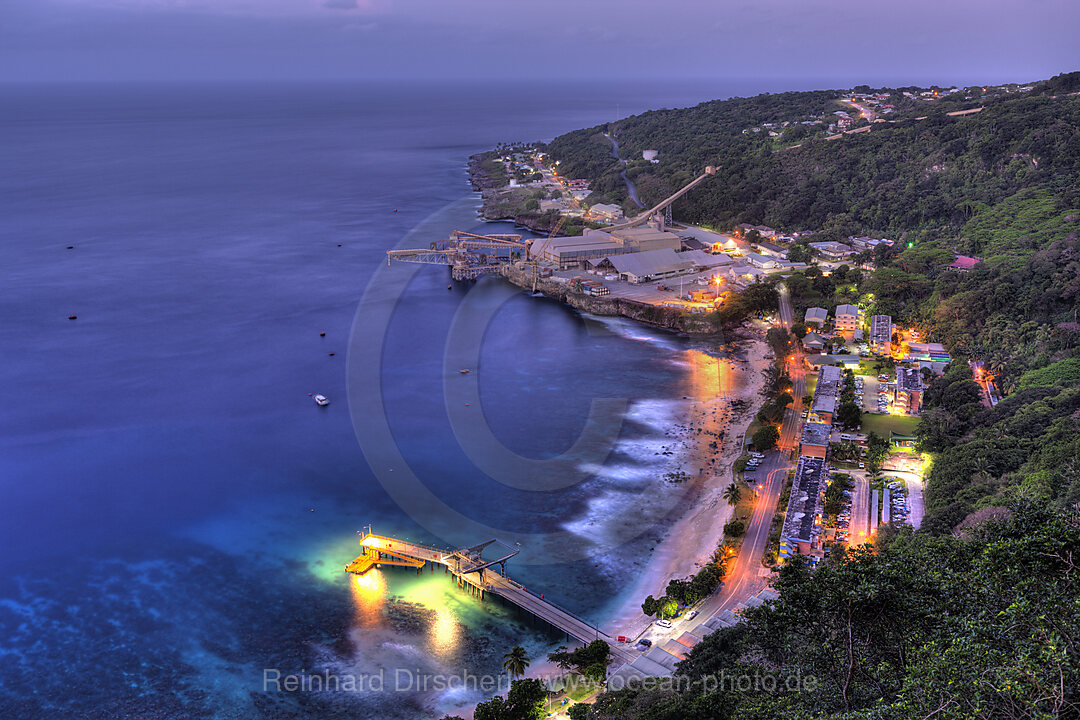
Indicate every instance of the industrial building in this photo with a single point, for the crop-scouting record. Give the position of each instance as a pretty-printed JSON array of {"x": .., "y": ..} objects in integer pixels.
[
  {"x": 826, "y": 394},
  {"x": 801, "y": 529},
  {"x": 641, "y": 267},
  {"x": 575, "y": 251},
  {"x": 881, "y": 334}
]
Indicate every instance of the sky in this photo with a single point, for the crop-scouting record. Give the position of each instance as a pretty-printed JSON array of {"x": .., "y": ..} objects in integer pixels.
[{"x": 885, "y": 42}]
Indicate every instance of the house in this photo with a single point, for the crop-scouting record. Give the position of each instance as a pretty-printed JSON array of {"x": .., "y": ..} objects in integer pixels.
[
  {"x": 813, "y": 341},
  {"x": 881, "y": 334},
  {"x": 848, "y": 318},
  {"x": 771, "y": 249},
  {"x": 963, "y": 263},
  {"x": 817, "y": 316},
  {"x": 831, "y": 250},
  {"x": 867, "y": 243},
  {"x": 762, "y": 261}
]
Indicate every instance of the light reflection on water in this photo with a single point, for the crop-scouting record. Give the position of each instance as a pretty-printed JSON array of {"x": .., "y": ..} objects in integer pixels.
[{"x": 369, "y": 596}]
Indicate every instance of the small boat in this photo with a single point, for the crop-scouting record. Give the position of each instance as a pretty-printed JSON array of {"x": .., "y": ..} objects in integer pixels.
[
  {"x": 321, "y": 400},
  {"x": 464, "y": 372}
]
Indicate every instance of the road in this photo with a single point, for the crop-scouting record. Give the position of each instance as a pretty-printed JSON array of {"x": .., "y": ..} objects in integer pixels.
[
  {"x": 631, "y": 188},
  {"x": 747, "y": 576},
  {"x": 789, "y": 429}
]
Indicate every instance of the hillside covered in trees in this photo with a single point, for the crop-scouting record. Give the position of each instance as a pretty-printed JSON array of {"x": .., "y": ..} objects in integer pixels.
[
  {"x": 921, "y": 172},
  {"x": 975, "y": 615},
  {"x": 980, "y": 624}
]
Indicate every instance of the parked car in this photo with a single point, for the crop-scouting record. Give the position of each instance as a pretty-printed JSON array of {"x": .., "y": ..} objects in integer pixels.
[
  {"x": 691, "y": 615},
  {"x": 663, "y": 623}
]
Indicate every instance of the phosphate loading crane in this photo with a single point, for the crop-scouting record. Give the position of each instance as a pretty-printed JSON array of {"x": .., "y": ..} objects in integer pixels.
[{"x": 467, "y": 254}]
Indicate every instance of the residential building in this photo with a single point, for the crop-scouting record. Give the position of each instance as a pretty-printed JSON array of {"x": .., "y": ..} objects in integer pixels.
[
  {"x": 826, "y": 394},
  {"x": 909, "y": 389},
  {"x": 771, "y": 249},
  {"x": 848, "y": 318},
  {"x": 813, "y": 341},
  {"x": 881, "y": 334},
  {"x": 831, "y": 250},
  {"x": 816, "y": 316},
  {"x": 867, "y": 243},
  {"x": 802, "y": 527},
  {"x": 815, "y": 439}
]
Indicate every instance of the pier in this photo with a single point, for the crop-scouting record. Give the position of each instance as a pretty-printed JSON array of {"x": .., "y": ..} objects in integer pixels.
[{"x": 479, "y": 575}]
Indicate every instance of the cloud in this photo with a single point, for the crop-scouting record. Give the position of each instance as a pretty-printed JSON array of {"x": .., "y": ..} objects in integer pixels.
[{"x": 341, "y": 4}]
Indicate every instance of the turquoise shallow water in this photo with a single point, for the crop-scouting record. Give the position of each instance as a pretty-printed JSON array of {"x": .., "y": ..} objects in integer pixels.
[{"x": 176, "y": 512}]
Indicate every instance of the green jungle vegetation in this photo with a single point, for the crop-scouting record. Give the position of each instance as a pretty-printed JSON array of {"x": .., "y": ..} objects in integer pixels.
[{"x": 976, "y": 615}]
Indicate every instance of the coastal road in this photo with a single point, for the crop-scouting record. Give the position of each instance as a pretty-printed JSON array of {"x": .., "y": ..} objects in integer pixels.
[
  {"x": 747, "y": 576},
  {"x": 789, "y": 429}
]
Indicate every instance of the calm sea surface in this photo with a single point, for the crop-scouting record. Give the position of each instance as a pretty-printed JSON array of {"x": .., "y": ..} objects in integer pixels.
[{"x": 175, "y": 511}]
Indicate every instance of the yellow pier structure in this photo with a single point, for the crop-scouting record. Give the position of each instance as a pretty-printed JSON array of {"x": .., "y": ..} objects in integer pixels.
[{"x": 478, "y": 574}]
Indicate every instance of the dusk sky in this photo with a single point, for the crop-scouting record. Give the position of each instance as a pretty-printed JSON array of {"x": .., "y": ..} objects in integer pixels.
[{"x": 885, "y": 41}]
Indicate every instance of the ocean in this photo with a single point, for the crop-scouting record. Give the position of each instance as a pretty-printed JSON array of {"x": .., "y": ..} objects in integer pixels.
[{"x": 176, "y": 512}]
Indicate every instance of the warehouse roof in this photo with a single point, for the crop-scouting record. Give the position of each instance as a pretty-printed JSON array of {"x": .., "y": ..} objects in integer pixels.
[{"x": 650, "y": 262}]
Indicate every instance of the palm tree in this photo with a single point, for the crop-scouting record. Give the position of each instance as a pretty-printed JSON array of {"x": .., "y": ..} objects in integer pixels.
[
  {"x": 515, "y": 661},
  {"x": 732, "y": 494}
]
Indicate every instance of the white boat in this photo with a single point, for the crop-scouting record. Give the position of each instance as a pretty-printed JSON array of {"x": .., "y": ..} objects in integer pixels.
[{"x": 321, "y": 400}]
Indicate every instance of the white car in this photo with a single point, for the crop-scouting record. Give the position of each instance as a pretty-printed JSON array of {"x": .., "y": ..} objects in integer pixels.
[{"x": 663, "y": 623}]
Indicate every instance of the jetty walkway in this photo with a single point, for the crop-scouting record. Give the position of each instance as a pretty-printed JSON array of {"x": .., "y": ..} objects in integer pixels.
[{"x": 479, "y": 575}]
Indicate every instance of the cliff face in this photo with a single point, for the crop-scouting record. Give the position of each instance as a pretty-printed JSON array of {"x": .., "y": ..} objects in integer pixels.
[
  {"x": 665, "y": 317},
  {"x": 479, "y": 177}
]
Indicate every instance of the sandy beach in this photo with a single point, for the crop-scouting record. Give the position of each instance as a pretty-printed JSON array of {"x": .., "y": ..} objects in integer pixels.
[{"x": 694, "y": 536}]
